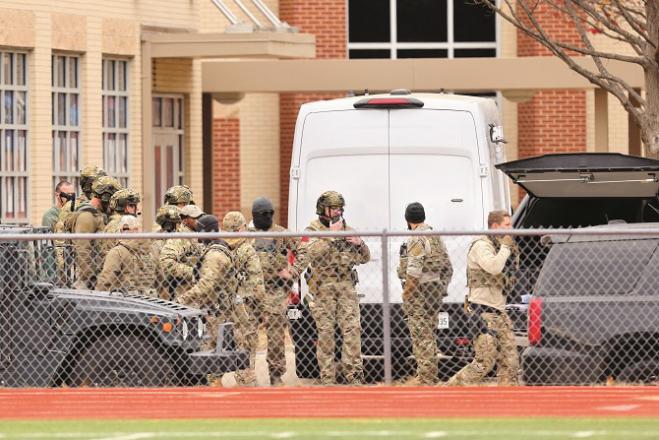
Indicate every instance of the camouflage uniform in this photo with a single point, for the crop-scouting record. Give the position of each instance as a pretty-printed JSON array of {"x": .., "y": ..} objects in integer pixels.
[
  {"x": 63, "y": 250},
  {"x": 178, "y": 258},
  {"x": 496, "y": 342},
  {"x": 249, "y": 297},
  {"x": 168, "y": 219},
  {"x": 215, "y": 287},
  {"x": 425, "y": 269},
  {"x": 128, "y": 267},
  {"x": 89, "y": 219},
  {"x": 273, "y": 253},
  {"x": 332, "y": 262}
]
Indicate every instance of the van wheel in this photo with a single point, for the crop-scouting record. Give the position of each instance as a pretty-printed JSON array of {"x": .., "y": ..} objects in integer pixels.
[
  {"x": 645, "y": 371},
  {"x": 122, "y": 361}
]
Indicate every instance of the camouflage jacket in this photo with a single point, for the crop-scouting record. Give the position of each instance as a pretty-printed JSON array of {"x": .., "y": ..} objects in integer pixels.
[
  {"x": 425, "y": 258},
  {"x": 248, "y": 269},
  {"x": 129, "y": 267},
  {"x": 329, "y": 258},
  {"x": 273, "y": 252},
  {"x": 88, "y": 259},
  {"x": 178, "y": 258},
  {"x": 217, "y": 283}
]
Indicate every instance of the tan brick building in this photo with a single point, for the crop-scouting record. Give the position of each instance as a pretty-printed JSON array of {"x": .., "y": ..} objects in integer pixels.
[
  {"x": 115, "y": 84},
  {"x": 145, "y": 89}
]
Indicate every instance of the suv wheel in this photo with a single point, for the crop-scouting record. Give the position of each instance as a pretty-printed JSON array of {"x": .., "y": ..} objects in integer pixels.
[{"x": 121, "y": 361}]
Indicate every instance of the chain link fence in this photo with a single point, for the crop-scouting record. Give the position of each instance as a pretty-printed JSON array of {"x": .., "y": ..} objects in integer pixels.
[{"x": 157, "y": 309}]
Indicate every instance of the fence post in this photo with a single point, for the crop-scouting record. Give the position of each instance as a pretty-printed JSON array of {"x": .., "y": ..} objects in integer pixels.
[{"x": 386, "y": 311}]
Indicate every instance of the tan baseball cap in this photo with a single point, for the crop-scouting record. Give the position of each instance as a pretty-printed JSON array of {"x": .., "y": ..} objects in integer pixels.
[{"x": 192, "y": 211}]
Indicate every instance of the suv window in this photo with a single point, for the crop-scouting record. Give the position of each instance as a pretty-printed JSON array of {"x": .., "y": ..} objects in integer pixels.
[{"x": 594, "y": 268}]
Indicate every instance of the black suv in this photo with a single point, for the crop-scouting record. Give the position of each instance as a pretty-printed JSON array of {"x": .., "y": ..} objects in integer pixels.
[{"x": 594, "y": 313}]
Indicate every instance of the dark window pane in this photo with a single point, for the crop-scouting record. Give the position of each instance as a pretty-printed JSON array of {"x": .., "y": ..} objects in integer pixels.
[
  {"x": 368, "y": 21},
  {"x": 369, "y": 53},
  {"x": 421, "y": 20},
  {"x": 474, "y": 53},
  {"x": 422, "y": 53},
  {"x": 472, "y": 22}
]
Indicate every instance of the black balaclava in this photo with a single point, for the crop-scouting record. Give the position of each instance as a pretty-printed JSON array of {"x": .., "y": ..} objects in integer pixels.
[
  {"x": 262, "y": 213},
  {"x": 414, "y": 213}
]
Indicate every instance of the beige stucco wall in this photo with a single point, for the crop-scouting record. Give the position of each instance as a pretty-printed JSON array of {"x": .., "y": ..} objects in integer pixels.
[{"x": 95, "y": 29}]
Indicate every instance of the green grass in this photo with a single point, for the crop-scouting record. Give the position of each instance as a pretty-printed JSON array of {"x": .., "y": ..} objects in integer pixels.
[{"x": 362, "y": 429}]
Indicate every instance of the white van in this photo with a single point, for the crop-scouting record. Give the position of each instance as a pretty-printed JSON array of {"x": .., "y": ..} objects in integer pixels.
[{"x": 385, "y": 151}]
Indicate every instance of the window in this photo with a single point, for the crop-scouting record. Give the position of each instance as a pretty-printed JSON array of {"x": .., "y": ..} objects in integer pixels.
[
  {"x": 65, "y": 75},
  {"x": 13, "y": 137},
  {"x": 420, "y": 29},
  {"x": 168, "y": 135},
  {"x": 115, "y": 119}
]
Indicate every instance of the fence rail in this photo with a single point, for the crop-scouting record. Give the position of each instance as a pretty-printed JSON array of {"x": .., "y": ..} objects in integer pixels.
[{"x": 158, "y": 309}]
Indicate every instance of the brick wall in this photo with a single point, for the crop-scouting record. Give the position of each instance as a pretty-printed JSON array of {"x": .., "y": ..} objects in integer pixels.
[
  {"x": 226, "y": 166},
  {"x": 326, "y": 19},
  {"x": 554, "y": 121}
]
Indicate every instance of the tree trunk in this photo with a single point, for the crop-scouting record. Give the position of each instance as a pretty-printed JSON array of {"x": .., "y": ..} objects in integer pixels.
[{"x": 650, "y": 122}]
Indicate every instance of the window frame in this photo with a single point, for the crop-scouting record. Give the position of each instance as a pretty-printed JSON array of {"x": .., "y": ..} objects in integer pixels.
[
  {"x": 107, "y": 131},
  {"x": 15, "y": 127},
  {"x": 178, "y": 113},
  {"x": 450, "y": 45},
  {"x": 72, "y": 175}
]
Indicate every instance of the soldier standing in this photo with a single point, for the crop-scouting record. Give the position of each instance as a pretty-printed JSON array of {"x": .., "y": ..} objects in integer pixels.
[
  {"x": 63, "y": 251},
  {"x": 278, "y": 281},
  {"x": 177, "y": 261},
  {"x": 250, "y": 294},
  {"x": 177, "y": 195},
  {"x": 332, "y": 282},
  {"x": 127, "y": 267},
  {"x": 168, "y": 218},
  {"x": 123, "y": 202},
  {"x": 91, "y": 218},
  {"x": 216, "y": 284},
  {"x": 486, "y": 279},
  {"x": 425, "y": 271}
]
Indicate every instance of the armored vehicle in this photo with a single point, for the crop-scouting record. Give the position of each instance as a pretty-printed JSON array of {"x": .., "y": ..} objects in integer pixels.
[{"x": 53, "y": 336}]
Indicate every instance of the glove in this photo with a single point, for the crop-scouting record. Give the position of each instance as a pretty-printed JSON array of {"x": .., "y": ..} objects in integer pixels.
[
  {"x": 507, "y": 240},
  {"x": 411, "y": 284}
]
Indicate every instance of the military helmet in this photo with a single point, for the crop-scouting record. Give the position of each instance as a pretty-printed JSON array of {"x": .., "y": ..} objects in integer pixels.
[
  {"x": 233, "y": 221},
  {"x": 179, "y": 194},
  {"x": 329, "y": 199},
  {"x": 122, "y": 198},
  {"x": 168, "y": 214},
  {"x": 88, "y": 175},
  {"x": 105, "y": 186}
]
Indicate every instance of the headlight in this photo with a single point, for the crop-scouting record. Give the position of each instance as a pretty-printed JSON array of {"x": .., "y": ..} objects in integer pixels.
[
  {"x": 185, "y": 331},
  {"x": 201, "y": 327}
]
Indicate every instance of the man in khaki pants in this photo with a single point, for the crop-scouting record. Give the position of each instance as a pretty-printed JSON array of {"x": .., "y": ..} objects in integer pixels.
[{"x": 486, "y": 279}]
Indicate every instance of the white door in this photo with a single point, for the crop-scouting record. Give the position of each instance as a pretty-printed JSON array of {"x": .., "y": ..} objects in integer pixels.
[
  {"x": 434, "y": 161},
  {"x": 168, "y": 145}
]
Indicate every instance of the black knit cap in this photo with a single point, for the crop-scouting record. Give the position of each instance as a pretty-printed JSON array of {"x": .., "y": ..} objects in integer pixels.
[{"x": 414, "y": 213}]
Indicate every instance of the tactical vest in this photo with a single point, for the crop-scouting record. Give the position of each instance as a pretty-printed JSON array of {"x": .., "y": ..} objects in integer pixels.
[
  {"x": 227, "y": 295},
  {"x": 145, "y": 272},
  {"x": 481, "y": 278},
  {"x": 72, "y": 218},
  {"x": 273, "y": 254},
  {"x": 333, "y": 272},
  {"x": 436, "y": 260}
]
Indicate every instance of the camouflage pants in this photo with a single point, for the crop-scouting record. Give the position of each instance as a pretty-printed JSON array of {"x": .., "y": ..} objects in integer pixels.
[
  {"x": 497, "y": 346},
  {"x": 421, "y": 314},
  {"x": 336, "y": 303},
  {"x": 246, "y": 317},
  {"x": 276, "y": 327}
]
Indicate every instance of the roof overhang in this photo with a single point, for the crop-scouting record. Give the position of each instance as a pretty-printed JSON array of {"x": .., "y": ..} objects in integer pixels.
[
  {"x": 231, "y": 45},
  {"x": 464, "y": 74}
]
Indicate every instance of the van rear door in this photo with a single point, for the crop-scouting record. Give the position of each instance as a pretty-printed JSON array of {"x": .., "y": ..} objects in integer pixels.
[{"x": 434, "y": 160}]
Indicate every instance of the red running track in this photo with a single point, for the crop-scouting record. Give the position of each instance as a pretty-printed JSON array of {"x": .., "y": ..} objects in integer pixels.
[{"x": 188, "y": 403}]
